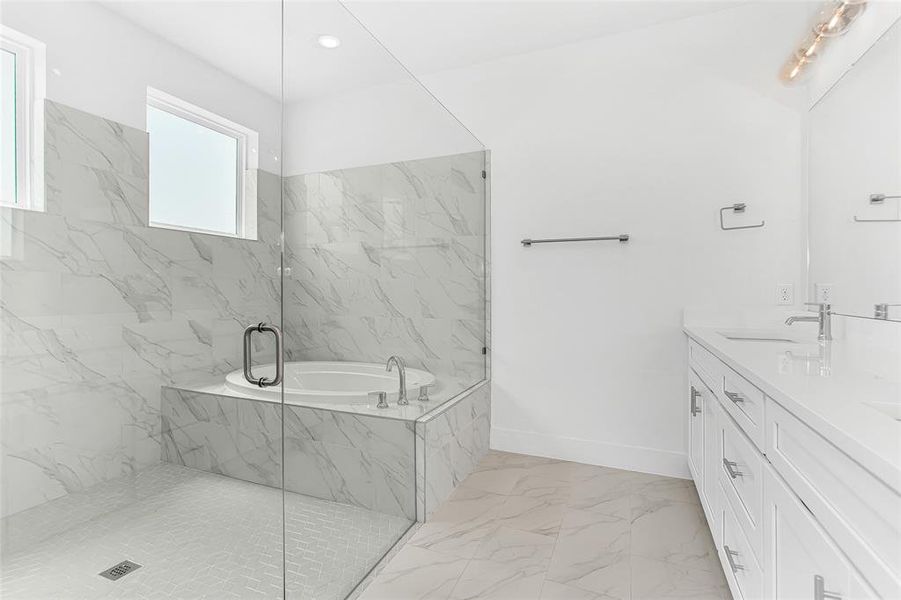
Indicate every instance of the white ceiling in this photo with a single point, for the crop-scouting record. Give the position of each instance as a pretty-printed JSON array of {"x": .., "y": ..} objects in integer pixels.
[{"x": 242, "y": 37}]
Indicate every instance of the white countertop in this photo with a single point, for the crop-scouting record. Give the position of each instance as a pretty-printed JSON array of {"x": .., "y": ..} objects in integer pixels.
[{"x": 828, "y": 387}]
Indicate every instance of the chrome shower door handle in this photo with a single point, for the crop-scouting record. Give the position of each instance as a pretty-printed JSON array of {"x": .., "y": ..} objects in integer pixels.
[{"x": 248, "y": 355}]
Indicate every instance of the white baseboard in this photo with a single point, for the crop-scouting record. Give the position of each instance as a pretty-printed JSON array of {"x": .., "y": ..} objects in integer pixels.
[{"x": 616, "y": 456}]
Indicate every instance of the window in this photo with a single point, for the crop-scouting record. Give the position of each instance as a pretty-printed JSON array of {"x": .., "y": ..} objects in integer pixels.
[
  {"x": 198, "y": 168},
  {"x": 21, "y": 120}
]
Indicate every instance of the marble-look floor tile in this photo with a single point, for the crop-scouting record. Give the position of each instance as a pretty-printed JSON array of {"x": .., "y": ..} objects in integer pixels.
[
  {"x": 555, "y": 530},
  {"x": 497, "y": 459},
  {"x": 604, "y": 491},
  {"x": 675, "y": 532},
  {"x": 661, "y": 580},
  {"x": 497, "y": 481},
  {"x": 551, "y": 590},
  {"x": 549, "y": 490},
  {"x": 592, "y": 553},
  {"x": 667, "y": 488},
  {"x": 416, "y": 574},
  {"x": 487, "y": 579},
  {"x": 513, "y": 547},
  {"x": 461, "y": 524},
  {"x": 531, "y": 514}
]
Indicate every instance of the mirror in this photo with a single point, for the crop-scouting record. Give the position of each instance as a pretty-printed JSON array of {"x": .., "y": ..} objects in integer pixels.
[{"x": 854, "y": 184}]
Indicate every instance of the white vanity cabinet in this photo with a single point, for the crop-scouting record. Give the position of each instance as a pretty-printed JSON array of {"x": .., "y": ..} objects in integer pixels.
[
  {"x": 793, "y": 517},
  {"x": 803, "y": 562},
  {"x": 699, "y": 399}
]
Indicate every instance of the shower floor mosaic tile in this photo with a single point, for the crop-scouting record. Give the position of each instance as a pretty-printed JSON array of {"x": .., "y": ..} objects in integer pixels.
[{"x": 195, "y": 535}]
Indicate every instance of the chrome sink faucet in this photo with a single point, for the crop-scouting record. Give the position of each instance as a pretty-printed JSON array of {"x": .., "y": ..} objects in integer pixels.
[
  {"x": 402, "y": 371},
  {"x": 823, "y": 318}
]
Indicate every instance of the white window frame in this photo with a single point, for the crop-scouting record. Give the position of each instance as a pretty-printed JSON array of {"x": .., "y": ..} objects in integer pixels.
[
  {"x": 247, "y": 160},
  {"x": 31, "y": 89}
]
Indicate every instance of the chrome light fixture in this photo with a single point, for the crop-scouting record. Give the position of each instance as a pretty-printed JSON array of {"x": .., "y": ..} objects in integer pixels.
[{"x": 832, "y": 21}]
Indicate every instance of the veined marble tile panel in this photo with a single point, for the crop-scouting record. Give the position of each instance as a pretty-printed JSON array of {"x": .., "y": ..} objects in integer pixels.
[
  {"x": 453, "y": 441},
  {"x": 67, "y": 437},
  {"x": 99, "y": 311},
  {"x": 354, "y": 459},
  {"x": 83, "y": 138},
  {"x": 95, "y": 194},
  {"x": 330, "y": 262},
  {"x": 348, "y": 186},
  {"x": 269, "y": 192},
  {"x": 296, "y": 190}
]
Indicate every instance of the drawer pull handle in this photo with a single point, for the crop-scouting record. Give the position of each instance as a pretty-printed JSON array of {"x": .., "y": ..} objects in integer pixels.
[
  {"x": 734, "y": 396},
  {"x": 732, "y": 564},
  {"x": 819, "y": 590},
  {"x": 695, "y": 409},
  {"x": 731, "y": 469}
]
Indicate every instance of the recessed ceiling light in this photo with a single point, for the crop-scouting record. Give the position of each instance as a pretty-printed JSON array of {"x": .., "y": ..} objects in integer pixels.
[{"x": 328, "y": 41}]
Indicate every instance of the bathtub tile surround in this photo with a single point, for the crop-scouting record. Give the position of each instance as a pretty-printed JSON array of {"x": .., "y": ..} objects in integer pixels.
[
  {"x": 100, "y": 311},
  {"x": 450, "y": 443},
  {"x": 348, "y": 458},
  {"x": 389, "y": 259},
  {"x": 351, "y": 458}
]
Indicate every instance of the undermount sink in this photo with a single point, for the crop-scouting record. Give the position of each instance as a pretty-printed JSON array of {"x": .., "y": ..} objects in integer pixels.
[
  {"x": 889, "y": 408},
  {"x": 751, "y": 335}
]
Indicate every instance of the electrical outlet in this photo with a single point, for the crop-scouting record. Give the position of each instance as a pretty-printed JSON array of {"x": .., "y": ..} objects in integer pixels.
[
  {"x": 823, "y": 292},
  {"x": 785, "y": 294}
]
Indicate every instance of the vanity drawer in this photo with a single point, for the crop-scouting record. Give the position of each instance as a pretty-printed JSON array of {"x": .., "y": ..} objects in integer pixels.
[
  {"x": 741, "y": 474},
  {"x": 802, "y": 561},
  {"x": 738, "y": 559},
  {"x": 745, "y": 403},
  {"x": 858, "y": 511},
  {"x": 705, "y": 364}
]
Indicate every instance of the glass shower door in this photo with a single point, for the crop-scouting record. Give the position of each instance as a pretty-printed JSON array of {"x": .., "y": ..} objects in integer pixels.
[
  {"x": 137, "y": 460},
  {"x": 384, "y": 229}
]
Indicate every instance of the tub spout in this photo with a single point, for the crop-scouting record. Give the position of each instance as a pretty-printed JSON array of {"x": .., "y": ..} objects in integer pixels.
[{"x": 402, "y": 372}]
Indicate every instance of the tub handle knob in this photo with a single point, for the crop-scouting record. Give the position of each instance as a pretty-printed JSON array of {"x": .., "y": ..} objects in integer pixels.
[
  {"x": 423, "y": 393},
  {"x": 380, "y": 397}
]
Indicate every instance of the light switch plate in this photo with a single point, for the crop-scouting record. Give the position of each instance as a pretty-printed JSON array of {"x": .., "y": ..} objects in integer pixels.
[{"x": 785, "y": 294}]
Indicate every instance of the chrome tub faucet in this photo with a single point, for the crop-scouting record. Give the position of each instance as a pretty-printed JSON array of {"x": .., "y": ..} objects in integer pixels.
[
  {"x": 823, "y": 318},
  {"x": 402, "y": 372}
]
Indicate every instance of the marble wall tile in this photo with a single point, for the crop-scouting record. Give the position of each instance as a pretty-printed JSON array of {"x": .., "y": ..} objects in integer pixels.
[
  {"x": 65, "y": 437},
  {"x": 101, "y": 311},
  {"x": 95, "y": 194},
  {"x": 82, "y": 138},
  {"x": 389, "y": 259},
  {"x": 354, "y": 459},
  {"x": 221, "y": 434},
  {"x": 452, "y": 442},
  {"x": 98, "y": 312}
]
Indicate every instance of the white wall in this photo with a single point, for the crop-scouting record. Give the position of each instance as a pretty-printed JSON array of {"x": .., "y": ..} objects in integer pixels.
[
  {"x": 105, "y": 64},
  {"x": 392, "y": 122},
  {"x": 649, "y": 133}
]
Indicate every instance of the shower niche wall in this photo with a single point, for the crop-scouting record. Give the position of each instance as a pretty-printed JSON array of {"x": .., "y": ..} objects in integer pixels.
[{"x": 358, "y": 230}]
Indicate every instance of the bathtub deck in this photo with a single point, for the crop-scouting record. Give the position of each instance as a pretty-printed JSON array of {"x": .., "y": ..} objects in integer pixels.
[
  {"x": 196, "y": 535},
  {"x": 414, "y": 411}
]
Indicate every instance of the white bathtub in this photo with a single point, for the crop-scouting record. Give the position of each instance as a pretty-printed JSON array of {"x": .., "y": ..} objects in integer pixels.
[{"x": 315, "y": 382}]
